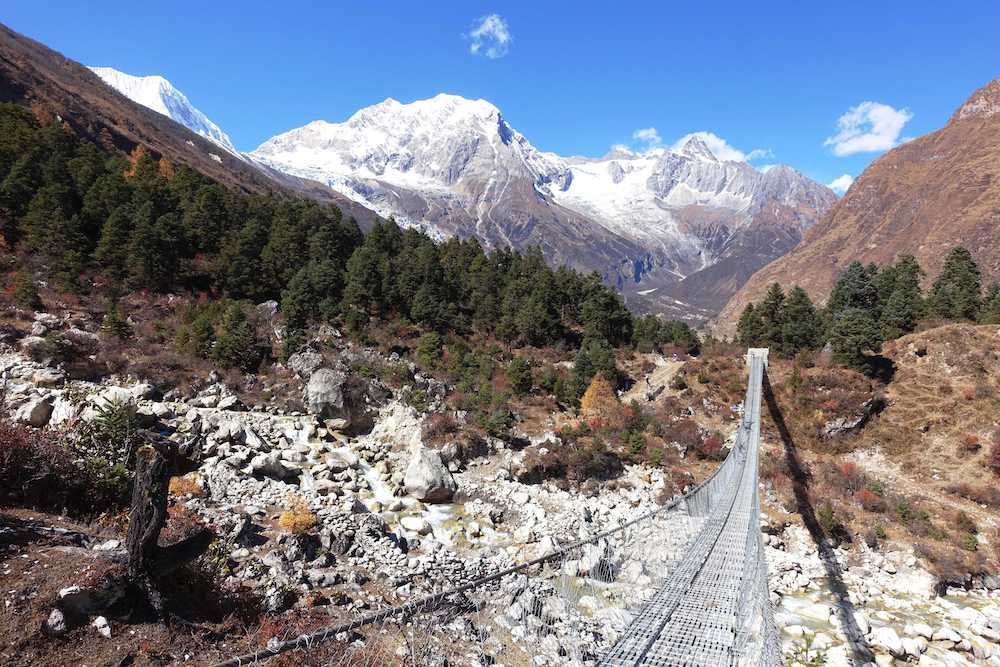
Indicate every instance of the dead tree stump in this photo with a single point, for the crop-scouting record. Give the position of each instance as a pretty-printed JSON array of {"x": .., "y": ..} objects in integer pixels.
[{"x": 155, "y": 463}]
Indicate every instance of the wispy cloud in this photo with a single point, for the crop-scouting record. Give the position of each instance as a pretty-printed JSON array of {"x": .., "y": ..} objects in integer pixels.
[
  {"x": 870, "y": 127},
  {"x": 647, "y": 138},
  {"x": 841, "y": 183},
  {"x": 490, "y": 36}
]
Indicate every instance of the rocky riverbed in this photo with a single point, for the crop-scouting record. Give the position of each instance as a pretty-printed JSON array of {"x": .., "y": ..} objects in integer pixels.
[{"x": 397, "y": 519}]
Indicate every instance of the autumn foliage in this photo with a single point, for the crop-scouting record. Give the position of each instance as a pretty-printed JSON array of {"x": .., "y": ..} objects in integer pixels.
[{"x": 600, "y": 406}]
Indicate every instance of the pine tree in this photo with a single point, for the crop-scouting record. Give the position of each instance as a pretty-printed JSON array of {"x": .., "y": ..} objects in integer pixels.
[
  {"x": 852, "y": 333},
  {"x": 802, "y": 329},
  {"x": 990, "y": 312},
  {"x": 519, "y": 375},
  {"x": 854, "y": 289},
  {"x": 236, "y": 344},
  {"x": 956, "y": 292},
  {"x": 772, "y": 317},
  {"x": 750, "y": 328},
  {"x": 24, "y": 292}
]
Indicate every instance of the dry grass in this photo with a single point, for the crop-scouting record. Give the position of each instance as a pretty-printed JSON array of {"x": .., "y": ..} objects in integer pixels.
[
  {"x": 190, "y": 484},
  {"x": 298, "y": 518}
]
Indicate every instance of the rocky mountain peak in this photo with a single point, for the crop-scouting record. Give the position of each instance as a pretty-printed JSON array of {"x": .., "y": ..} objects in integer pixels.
[
  {"x": 697, "y": 148},
  {"x": 157, "y": 93},
  {"x": 983, "y": 103}
]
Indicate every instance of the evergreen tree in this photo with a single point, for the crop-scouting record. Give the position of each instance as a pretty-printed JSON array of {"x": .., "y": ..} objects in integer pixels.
[
  {"x": 772, "y": 318},
  {"x": 24, "y": 292},
  {"x": 990, "y": 312},
  {"x": 802, "y": 328},
  {"x": 750, "y": 328},
  {"x": 956, "y": 292},
  {"x": 519, "y": 375},
  {"x": 854, "y": 289},
  {"x": 236, "y": 344},
  {"x": 852, "y": 333}
]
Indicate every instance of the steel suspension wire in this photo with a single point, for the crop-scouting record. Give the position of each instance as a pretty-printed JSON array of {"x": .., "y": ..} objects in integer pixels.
[{"x": 683, "y": 584}]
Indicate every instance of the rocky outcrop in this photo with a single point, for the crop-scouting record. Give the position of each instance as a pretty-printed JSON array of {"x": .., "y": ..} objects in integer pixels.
[
  {"x": 427, "y": 477},
  {"x": 332, "y": 394}
]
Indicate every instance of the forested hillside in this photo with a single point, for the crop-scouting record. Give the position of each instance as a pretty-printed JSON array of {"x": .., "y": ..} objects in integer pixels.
[{"x": 88, "y": 222}]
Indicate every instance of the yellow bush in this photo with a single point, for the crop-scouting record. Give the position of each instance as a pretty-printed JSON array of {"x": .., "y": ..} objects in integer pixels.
[
  {"x": 600, "y": 406},
  {"x": 298, "y": 518}
]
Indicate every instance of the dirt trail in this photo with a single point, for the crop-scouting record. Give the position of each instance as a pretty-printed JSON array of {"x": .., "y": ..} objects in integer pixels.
[{"x": 642, "y": 391}]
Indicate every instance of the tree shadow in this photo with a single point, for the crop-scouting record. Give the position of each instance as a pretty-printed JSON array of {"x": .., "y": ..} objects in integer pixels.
[
  {"x": 860, "y": 651},
  {"x": 880, "y": 368}
]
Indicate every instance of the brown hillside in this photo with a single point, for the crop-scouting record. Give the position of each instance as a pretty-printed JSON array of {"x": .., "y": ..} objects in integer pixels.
[
  {"x": 923, "y": 197},
  {"x": 35, "y": 76}
]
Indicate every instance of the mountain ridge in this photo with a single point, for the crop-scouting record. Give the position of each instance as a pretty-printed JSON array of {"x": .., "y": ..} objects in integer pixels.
[
  {"x": 889, "y": 209},
  {"x": 454, "y": 166}
]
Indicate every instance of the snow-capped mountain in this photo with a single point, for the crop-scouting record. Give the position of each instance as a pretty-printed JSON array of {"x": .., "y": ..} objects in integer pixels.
[
  {"x": 651, "y": 221},
  {"x": 678, "y": 231},
  {"x": 158, "y": 94}
]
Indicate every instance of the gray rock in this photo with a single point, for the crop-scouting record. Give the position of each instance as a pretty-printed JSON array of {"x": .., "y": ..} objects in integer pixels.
[
  {"x": 55, "y": 624},
  {"x": 427, "y": 478},
  {"x": 103, "y": 627},
  {"x": 333, "y": 394},
  {"x": 305, "y": 363},
  {"x": 271, "y": 465},
  {"x": 36, "y": 411}
]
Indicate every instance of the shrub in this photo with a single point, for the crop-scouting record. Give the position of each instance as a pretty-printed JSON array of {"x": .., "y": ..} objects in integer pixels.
[
  {"x": 678, "y": 383},
  {"x": 298, "y": 518},
  {"x": 964, "y": 523},
  {"x": 711, "y": 448},
  {"x": 439, "y": 424},
  {"x": 983, "y": 495},
  {"x": 970, "y": 443},
  {"x": 969, "y": 542},
  {"x": 519, "y": 375},
  {"x": 831, "y": 524},
  {"x": 37, "y": 471},
  {"x": 870, "y": 501},
  {"x": 24, "y": 292},
  {"x": 992, "y": 461},
  {"x": 600, "y": 405}
]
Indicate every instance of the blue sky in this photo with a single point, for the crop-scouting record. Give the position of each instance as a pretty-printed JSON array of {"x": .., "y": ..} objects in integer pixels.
[{"x": 574, "y": 77}]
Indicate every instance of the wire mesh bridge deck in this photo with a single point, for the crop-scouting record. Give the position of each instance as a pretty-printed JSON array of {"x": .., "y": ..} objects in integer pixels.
[{"x": 684, "y": 584}]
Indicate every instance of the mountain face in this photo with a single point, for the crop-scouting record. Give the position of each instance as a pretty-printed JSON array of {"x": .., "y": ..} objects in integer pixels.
[
  {"x": 922, "y": 198},
  {"x": 158, "y": 94},
  {"x": 677, "y": 231},
  {"x": 35, "y": 76}
]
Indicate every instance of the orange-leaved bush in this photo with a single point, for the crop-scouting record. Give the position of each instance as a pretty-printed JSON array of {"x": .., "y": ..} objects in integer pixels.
[{"x": 600, "y": 406}]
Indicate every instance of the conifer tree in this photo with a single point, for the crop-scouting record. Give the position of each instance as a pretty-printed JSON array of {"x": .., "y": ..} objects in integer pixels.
[
  {"x": 956, "y": 292},
  {"x": 990, "y": 312},
  {"x": 802, "y": 328},
  {"x": 852, "y": 333},
  {"x": 236, "y": 344},
  {"x": 854, "y": 289},
  {"x": 750, "y": 328},
  {"x": 772, "y": 318}
]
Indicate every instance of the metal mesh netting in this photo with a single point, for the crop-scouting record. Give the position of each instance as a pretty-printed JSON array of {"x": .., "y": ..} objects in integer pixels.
[{"x": 685, "y": 584}]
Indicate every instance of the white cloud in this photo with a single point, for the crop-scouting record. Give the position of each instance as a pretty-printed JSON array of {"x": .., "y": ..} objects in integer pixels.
[
  {"x": 490, "y": 36},
  {"x": 841, "y": 183},
  {"x": 760, "y": 154},
  {"x": 721, "y": 148},
  {"x": 870, "y": 127},
  {"x": 648, "y": 137}
]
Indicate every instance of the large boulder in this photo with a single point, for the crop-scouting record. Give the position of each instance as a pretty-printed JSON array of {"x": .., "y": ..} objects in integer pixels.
[
  {"x": 36, "y": 411},
  {"x": 331, "y": 394},
  {"x": 305, "y": 363},
  {"x": 427, "y": 477}
]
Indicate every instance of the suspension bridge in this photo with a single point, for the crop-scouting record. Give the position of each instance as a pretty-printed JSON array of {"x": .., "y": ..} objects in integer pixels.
[{"x": 682, "y": 585}]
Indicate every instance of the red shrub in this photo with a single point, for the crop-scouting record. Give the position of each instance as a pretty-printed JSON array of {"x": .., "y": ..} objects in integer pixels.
[
  {"x": 970, "y": 443},
  {"x": 38, "y": 471},
  {"x": 872, "y": 502}
]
